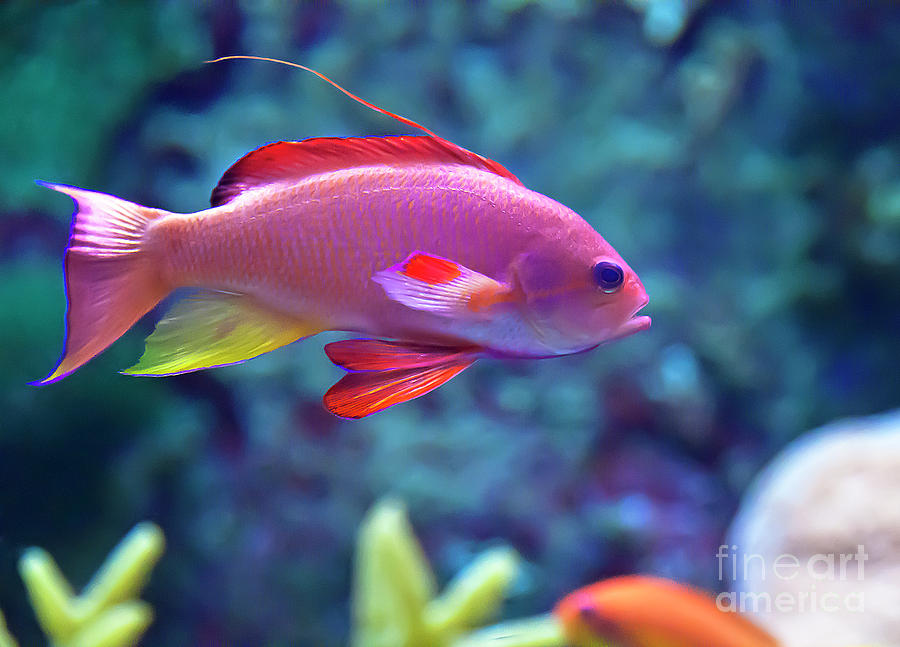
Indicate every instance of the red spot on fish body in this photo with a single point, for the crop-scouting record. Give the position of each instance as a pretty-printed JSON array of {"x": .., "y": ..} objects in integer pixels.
[{"x": 431, "y": 269}]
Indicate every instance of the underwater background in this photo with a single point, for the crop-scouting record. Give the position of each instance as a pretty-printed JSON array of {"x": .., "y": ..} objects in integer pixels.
[{"x": 744, "y": 157}]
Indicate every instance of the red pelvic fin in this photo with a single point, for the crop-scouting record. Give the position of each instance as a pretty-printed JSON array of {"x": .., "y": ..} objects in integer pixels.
[
  {"x": 380, "y": 355},
  {"x": 358, "y": 395},
  {"x": 386, "y": 373}
]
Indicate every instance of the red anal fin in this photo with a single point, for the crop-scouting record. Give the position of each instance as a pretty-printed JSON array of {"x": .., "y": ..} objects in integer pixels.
[
  {"x": 380, "y": 355},
  {"x": 358, "y": 395}
]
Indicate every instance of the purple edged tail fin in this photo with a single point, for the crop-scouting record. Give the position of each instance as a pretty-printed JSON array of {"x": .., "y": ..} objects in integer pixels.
[{"x": 112, "y": 280}]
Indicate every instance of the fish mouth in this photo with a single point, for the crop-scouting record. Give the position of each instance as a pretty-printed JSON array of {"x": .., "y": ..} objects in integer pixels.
[
  {"x": 633, "y": 325},
  {"x": 641, "y": 305},
  {"x": 636, "y": 323}
]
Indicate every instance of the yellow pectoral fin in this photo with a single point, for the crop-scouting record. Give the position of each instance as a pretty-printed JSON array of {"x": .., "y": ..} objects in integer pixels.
[{"x": 215, "y": 329}]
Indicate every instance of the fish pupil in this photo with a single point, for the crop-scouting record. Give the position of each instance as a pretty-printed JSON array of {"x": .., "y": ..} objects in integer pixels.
[{"x": 608, "y": 276}]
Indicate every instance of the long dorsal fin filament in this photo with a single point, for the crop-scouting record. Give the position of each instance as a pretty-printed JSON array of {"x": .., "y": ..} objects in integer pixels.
[
  {"x": 294, "y": 160},
  {"x": 368, "y": 104}
]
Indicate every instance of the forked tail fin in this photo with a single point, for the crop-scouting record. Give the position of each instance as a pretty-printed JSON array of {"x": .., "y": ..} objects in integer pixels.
[{"x": 112, "y": 279}]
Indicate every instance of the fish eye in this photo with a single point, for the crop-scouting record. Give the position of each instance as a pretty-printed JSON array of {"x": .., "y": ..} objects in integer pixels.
[{"x": 608, "y": 276}]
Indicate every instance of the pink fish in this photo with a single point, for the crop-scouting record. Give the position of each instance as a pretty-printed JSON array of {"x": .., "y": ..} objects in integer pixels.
[{"x": 438, "y": 254}]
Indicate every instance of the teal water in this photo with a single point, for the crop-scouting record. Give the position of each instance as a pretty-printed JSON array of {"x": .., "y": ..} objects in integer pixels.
[{"x": 744, "y": 158}]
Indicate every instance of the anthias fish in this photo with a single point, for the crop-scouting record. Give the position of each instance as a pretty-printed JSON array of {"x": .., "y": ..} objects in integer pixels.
[
  {"x": 641, "y": 611},
  {"x": 434, "y": 254}
]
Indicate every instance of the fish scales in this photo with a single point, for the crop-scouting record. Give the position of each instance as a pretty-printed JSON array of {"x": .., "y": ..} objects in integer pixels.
[
  {"x": 440, "y": 254},
  {"x": 274, "y": 241}
]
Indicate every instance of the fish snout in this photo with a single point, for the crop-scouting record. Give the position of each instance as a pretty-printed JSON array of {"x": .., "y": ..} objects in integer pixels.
[
  {"x": 635, "y": 323},
  {"x": 642, "y": 297}
]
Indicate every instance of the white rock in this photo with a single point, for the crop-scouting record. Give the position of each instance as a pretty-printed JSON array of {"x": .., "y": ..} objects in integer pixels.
[{"x": 818, "y": 535}]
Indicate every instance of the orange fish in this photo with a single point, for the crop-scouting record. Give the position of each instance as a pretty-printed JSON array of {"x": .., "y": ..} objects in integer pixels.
[
  {"x": 641, "y": 611},
  {"x": 438, "y": 254}
]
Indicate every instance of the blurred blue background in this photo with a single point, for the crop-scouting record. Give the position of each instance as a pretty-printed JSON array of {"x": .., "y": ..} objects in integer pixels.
[{"x": 743, "y": 157}]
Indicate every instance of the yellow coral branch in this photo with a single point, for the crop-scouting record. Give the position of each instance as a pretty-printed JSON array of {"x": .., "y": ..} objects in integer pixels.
[
  {"x": 121, "y": 625},
  {"x": 125, "y": 571},
  {"x": 51, "y": 596},
  {"x": 106, "y": 614},
  {"x": 393, "y": 581},
  {"x": 394, "y": 602},
  {"x": 6, "y": 640},
  {"x": 475, "y": 594},
  {"x": 540, "y": 631}
]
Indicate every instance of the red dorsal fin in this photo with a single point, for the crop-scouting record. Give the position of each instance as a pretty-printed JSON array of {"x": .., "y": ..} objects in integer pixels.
[
  {"x": 285, "y": 161},
  {"x": 293, "y": 160}
]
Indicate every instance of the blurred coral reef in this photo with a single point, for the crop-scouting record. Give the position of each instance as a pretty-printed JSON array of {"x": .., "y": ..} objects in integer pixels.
[
  {"x": 395, "y": 598},
  {"x": 834, "y": 494},
  {"x": 742, "y": 156}
]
